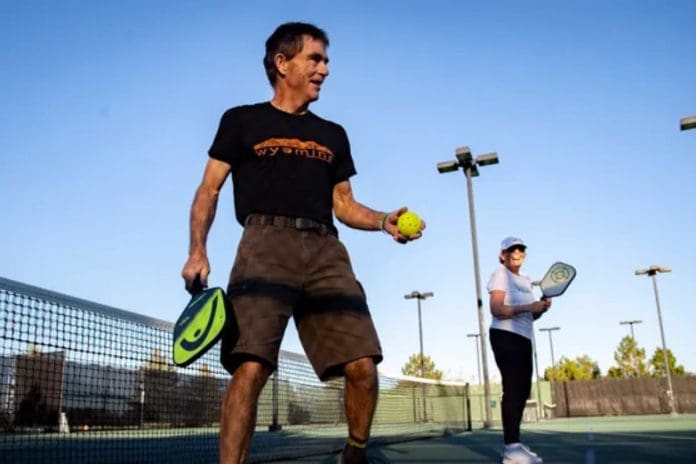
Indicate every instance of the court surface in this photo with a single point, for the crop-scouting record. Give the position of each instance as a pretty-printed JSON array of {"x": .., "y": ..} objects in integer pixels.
[
  {"x": 658, "y": 439},
  {"x": 607, "y": 440}
]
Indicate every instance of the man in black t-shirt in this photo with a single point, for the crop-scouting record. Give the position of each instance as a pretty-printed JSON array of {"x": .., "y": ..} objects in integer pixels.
[{"x": 290, "y": 172}]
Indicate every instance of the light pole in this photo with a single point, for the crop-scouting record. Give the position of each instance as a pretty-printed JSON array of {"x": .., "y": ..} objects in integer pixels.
[
  {"x": 549, "y": 330},
  {"x": 478, "y": 363},
  {"x": 652, "y": 271},
  {"x": 420, "y": 296},
  {"x": 540, "y": 406},
  {"x": 636, "y": 321},
  {"x": 687, "y": 123},
  {"x": 470, "y": 167}
]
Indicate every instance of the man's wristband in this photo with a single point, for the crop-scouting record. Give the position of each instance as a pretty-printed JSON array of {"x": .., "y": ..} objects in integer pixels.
[{"x": 383, "y": 223}]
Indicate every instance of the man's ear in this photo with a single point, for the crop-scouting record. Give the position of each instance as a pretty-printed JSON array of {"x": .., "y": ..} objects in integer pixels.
[{"x": 281, "y": 63}]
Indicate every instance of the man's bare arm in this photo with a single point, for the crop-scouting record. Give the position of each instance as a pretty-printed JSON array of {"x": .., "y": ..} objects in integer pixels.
[
  {"x": 352, "y": 213},
  {"x": 358, "y": 216},
  {"x": 202, "y": 215}
]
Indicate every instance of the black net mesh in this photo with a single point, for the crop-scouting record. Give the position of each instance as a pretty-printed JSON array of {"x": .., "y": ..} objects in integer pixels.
[{"x": 81, "y": 382}]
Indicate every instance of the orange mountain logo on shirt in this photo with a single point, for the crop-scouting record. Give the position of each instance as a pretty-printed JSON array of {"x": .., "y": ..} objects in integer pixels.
[{"x": 293, "y": 147}]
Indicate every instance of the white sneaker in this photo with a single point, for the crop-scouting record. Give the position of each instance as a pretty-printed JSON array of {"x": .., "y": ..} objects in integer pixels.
[
  {"x": 517, "y": 453},
  {"x": 531, "y": 452}
]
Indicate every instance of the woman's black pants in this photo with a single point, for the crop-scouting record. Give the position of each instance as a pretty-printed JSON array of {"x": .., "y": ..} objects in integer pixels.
[{"x": 513, "y": 355}]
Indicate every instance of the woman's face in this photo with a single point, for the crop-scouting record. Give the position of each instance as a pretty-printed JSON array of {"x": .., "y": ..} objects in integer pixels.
[{"x": 513, "y": 257}]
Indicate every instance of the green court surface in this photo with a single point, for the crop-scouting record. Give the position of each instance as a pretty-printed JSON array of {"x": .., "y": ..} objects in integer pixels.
[
  {"x": 597, "y": 440},
  {"x": 605, "y": 440}
]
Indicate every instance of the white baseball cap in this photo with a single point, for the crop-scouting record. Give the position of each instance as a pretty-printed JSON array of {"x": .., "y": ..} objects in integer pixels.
[{"x": 511, "y": 242}]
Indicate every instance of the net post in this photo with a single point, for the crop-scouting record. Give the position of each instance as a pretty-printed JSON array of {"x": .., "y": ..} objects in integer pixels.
[{"x": 275, "y": 426}]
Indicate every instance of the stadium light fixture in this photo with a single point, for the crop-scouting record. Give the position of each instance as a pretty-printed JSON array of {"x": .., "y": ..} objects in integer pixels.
[
  {"x": 636, "y": 321},
  {"x": 447, "y": 166},
  {"x": 652, "y": 271},
  {"x": 487, "y": 159},
  {"x": 469, "y": 166},
  {"x": 463, "y": 155},
  {"x": 687, "y": 123}
]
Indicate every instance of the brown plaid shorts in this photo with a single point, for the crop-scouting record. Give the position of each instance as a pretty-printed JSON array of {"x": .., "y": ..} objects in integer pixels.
[{"x": 282, "y": 271}]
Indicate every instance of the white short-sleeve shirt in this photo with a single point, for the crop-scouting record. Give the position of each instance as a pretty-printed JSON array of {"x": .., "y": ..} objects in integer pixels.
[{"x": 518, "y": 291}]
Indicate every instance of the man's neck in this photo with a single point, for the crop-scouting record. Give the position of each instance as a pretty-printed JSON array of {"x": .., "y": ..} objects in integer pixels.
[{"x": 289, "y": 104}]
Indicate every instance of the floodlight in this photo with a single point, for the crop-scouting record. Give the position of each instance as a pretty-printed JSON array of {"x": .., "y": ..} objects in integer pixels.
[
  {"x": 463, "y": 156},
  {"x": 487, "y": 159},
  {"x": 687, "y": 123},
  {"x": 447, "y": 166}
]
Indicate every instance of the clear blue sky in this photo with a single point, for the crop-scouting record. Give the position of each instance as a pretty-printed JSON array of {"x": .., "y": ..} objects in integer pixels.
[{"x": 108, "y": 109}]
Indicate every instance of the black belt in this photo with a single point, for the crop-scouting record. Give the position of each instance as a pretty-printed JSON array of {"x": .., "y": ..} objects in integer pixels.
[{"x": 291, "y": 222}]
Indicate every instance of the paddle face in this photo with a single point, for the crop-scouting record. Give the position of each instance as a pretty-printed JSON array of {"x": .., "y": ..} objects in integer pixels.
[
  {"x": 557, "y": 279},
  {"x": 200, "y": 325}
]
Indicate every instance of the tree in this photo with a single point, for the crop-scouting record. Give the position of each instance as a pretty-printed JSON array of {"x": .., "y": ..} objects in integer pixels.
[
  {"x": 160, "y": 382},
  {"x": 657, "y": 364},
  {"x": 630, "y": 360},
  {"x": 33, "y": 350},
  {"x": 32, "y": 410},
  {"x": 38, "y": 386},
  {"x": 581, "y": 368},
  {"x": 202, "y": 397},
  {"x": 413, "y": 368}
]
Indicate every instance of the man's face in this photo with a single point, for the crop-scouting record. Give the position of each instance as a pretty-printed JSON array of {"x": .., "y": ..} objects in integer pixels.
[{"x": 306, "y": 71}]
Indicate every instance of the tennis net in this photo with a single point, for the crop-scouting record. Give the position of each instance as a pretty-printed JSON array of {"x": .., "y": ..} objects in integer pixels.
[{"x": 83, "y": 382}]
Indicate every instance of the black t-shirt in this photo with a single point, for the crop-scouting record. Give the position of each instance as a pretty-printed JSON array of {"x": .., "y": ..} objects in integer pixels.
[{"x": 282, "y": 164}]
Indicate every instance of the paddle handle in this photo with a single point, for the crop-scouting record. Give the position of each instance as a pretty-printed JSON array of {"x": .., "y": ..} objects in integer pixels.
[{"x": 197, "y": 286}]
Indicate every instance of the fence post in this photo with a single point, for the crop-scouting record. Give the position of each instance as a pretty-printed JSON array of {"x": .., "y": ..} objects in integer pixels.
[
  {"x": 413, "y": 402},
  {"x": 467, "y": 406}
]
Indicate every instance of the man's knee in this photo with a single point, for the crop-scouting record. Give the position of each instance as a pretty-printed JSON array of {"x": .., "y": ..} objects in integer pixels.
[
  {"x": 251, "y": 375},
  {"x": 361, "y": 370}
]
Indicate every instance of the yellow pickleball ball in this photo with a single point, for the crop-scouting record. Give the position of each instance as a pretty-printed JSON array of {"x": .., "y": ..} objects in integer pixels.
[{"x": 409, "y": 224}]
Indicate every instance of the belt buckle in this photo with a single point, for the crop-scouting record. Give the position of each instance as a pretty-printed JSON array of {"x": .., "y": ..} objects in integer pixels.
[{"x": 304, "y": 224}]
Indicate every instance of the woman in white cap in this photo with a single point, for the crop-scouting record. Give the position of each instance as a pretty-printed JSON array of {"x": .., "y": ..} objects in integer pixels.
[{"x": 514, "y": 309}]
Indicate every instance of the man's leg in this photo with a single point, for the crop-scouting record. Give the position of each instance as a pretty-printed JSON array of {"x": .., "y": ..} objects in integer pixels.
[
  {"x": 238, "y": 414},
  {"x": 361, "y": 387}
]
